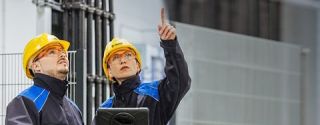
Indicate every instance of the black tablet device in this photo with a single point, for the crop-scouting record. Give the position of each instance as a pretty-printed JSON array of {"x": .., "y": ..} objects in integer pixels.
[{"x": 122, "y": 116}]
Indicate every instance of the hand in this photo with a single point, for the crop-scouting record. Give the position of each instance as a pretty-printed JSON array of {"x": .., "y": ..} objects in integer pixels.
[{"x": 165, "y": 30}]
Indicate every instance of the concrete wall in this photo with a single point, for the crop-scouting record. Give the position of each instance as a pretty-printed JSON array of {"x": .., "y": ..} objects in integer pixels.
[
  {"x": 239, "y": 80},
  {"x": 300, "y": 26}
]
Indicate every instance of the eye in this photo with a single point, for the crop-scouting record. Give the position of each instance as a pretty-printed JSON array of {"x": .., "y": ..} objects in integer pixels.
[
  {"x": 128, "y": 55},
  {"x": 115, "y": 57},
  {"x": 63, "y": 52},
  {"x": 52, "y": 52}
]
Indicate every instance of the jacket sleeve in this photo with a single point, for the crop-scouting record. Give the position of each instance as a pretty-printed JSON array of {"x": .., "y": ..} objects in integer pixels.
[
  {"x": 177, "y": 81},
  {"x": 21, "y": 111}
]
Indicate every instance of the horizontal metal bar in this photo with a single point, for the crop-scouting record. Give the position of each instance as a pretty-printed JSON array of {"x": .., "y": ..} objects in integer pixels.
[
  {"x": 4, "y": 54},
  {"x": 75, "y": 5},
  {"x": 49, "y": 3}
]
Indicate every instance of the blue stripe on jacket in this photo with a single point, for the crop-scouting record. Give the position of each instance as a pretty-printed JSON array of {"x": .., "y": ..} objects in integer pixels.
[
  {"x": 37, "y": 95},
  {"x": 146, "y": 89}
]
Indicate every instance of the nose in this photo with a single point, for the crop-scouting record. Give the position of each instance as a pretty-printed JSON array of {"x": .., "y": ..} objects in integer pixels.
[
  {"x": 123, "y": 60},
  {"x": 63, "y": 55}
]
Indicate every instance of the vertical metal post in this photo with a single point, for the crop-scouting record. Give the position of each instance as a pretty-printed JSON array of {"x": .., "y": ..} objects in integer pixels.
[
  {"x": 65, "y": 23},
  {"x": 90, "y": 78},
  {"x": 104, "y": 23},
  {"x": 305, "y": 57},
  {"x": 111, "y": 31},
  {"x": 103, "y": 43},
  {"x": 98, "y": 48},
  {"x": 111, "y": 25}
]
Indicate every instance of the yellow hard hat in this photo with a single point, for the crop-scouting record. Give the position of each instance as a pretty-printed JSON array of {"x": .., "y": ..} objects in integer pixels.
[
  {"x": 36, "y": 45},
  {"x": 115, "y": 45}
]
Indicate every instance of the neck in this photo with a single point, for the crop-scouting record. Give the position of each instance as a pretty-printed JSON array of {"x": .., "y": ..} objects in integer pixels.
[
  {"x": 121, "y": 80},
  {"x": 59, "y": 76}
]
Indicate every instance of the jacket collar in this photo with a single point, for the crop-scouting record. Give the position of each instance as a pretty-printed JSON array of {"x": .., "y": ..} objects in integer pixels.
[
  {"x": 127, "y": 85},
  {"x": 55, "y": 86}
]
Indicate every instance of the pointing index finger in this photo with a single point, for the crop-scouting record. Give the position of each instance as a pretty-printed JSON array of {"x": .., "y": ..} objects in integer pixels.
[{"x": 162, "y": 16}]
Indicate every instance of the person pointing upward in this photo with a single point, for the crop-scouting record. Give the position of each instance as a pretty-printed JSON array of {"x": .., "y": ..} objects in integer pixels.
[{"x": 122, "y": 65}]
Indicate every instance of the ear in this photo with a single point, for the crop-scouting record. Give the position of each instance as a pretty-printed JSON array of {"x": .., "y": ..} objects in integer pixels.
[
  {"x": 138, "y": 67},
  {"x": 110, "y": 74},
  {"x": 36, "y": 67}
]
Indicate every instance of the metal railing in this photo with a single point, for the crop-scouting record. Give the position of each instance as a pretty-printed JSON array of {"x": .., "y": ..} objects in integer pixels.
[{"x": 13, "y": 79}]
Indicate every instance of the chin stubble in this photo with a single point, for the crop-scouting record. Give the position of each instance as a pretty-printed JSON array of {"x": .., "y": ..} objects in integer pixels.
[{"x": 65, "y": 71}]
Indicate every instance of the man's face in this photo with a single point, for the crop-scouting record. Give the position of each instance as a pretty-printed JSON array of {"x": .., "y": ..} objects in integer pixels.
[
  {"x": 123, "y": 64},
  {"x": 52, "y": 61}
]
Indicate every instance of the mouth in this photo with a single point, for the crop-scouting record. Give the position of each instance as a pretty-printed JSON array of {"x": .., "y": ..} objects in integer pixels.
[
  {"x": 62, "y": 61},
  {"x": 124, "y": 67}
]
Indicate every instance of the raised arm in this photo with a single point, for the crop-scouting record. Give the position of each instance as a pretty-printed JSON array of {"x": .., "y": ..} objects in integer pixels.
[{"x": 177, "y": 81}]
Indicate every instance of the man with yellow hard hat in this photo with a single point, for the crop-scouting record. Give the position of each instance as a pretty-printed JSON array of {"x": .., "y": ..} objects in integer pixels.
[
  {"x": 122, "y": 65},
  {"x": 45, "y": 60}
]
